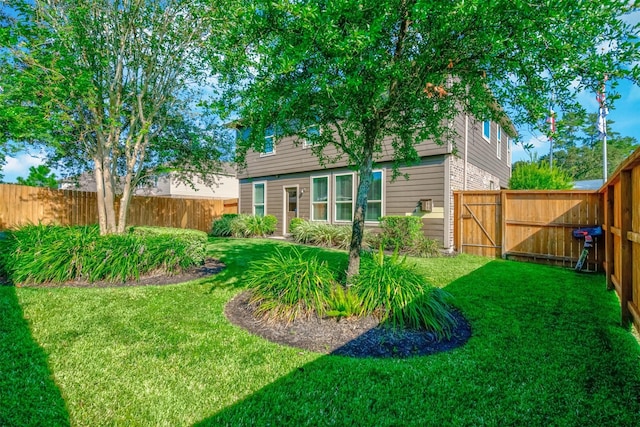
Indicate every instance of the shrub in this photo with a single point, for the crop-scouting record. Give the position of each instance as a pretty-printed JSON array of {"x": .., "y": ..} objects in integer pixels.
[
  {"x": 424, "y": 247},
  {"x": 399, "y": 232},
  {"x": 343, "y": 303},
  {"x": 253, "y": 225},
  {"x": 221, "y": 227},
  {"x": 294, "y": 223},
  {"x": 36, "y": 254},
  {"x": 400, "y": 297},
  {"x": 327, "y": 235},
  {"x": 538, "y": 176},
  {"x": 195, "y": 241},
  {"x": 291, "y": 285}
]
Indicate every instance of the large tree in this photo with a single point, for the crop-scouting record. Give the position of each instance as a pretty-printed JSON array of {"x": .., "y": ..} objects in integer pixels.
[
  {"x": 366, "y": 70},
  {"x": 111, "y": 86}
]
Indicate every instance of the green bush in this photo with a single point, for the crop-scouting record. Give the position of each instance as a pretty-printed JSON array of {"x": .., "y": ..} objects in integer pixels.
[
  {"x": 36, "y": 254},
  {"x": 343, "y": 303},
  {"x": 253, "y": 225},
  {"x": 327, "y": 235},
  {"x": 290, "y": 285},
  {"x": 538, "y": 176},
  {"x": 424, "y": 247},
  {"x": 221, "y": 227},
  {"x": 195, "y": 240},
  {"x": 400, "y": 297},
  {"x": 294, "y": 223},
  {"x": 399, "y": 232}
]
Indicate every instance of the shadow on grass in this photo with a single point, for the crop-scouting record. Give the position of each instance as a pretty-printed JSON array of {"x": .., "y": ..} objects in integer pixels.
[
  {"x": 546, "y": 350},
  {"x": 30, "y": 397}
]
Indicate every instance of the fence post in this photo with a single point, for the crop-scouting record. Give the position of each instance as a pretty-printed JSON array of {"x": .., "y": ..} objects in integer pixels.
[
  {"x": 626, "y": 273},
  {"x": 503, "y": 221},
  {"x": 608, "y": 239}
]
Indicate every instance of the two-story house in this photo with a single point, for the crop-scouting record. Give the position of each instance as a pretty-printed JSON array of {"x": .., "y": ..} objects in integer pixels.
[{"x": 287, "y": 181}]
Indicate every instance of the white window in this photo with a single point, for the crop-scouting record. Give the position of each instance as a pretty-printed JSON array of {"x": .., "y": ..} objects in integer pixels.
[
  {"x": 320, "y": 198},
  {"x": 312, "y": 131},
  {"x": 486, "y": 130},
  {"x": 343, "y": 185},
  {"x": 499, "y": 142},
  {"x": 259, "y": 198},
  {"x": 509, "y": 151},
  {"x": 374, "y": 198},
  {"x": 269, "y": 143}
]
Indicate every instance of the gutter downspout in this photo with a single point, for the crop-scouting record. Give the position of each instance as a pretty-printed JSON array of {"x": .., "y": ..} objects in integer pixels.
[{"x": 466, "y": 150}]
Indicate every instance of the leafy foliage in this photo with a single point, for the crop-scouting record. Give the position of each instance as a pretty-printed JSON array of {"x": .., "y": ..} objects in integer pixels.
[
  {"x": 39, "y": 176},
  {"x": 343, "y": 302},
  {"x": 401, "y": 71},
  {"x": 37, "y": 254},
  {"x": 578, "y": 147},
  {"x": 222, "y": 227},
  {"x": 400, "y": 231},
  {"x": 401, "y": 297},
  {"x": 110, "y": 87},
  {"x": 290, "y": 285},
  {"x": 327, "y": 235},
  {"x": 253, "y": 225},
  {"x": 538, "y": 176}
]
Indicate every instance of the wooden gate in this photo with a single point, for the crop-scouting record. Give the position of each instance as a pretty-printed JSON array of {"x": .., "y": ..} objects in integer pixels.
[{"x": 478, "y": 229}]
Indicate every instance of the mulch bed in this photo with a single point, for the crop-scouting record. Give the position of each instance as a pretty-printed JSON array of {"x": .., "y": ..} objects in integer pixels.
[{"x": 348, "y": 337}]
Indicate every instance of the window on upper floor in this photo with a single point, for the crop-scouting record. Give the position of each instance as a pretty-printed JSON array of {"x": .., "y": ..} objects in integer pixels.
[
  {"x": 320, "y": 198},
  {"x": 343, "y": 185},
  {"x": 509, "y": 152},
  {"x": 374, "y": 198},
  {"x": 499, "y": 142},
  {"x": 269, "y": 143},
  {"x": 312, "y": 132},
  {"x": 259, "y": 198},
  {"x": 486, "y": 130}
]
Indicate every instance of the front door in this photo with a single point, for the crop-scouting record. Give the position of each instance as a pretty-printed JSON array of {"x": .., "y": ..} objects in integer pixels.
[{"x": 291, "y": 206}]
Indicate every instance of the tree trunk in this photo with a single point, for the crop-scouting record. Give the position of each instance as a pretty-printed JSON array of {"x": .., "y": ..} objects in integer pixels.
[
  {"x": 105, "y": 198},
  {"x": 357, "y": 230}
]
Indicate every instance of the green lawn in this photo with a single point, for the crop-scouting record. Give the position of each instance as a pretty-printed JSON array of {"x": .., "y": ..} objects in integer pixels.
[{"x": 546, "y": 350}]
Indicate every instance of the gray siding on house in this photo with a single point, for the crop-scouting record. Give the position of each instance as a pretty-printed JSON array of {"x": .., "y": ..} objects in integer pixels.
[
  {"x": 482, "y": 153},
  {"x": 289, "y": 158},
  {"x": 400, "y": 197}
]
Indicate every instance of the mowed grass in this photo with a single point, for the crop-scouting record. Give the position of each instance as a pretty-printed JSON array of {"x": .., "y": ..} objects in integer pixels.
[{"x": 547, "y": 349}]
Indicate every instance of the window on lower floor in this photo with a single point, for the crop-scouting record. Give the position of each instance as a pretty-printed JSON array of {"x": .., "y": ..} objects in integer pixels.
[
  {"x": 320, "y": 198},
  {"x": 259, "y": 199},
  {"x": 344, "y": 197},
  {"x": 374, "y": 198}
]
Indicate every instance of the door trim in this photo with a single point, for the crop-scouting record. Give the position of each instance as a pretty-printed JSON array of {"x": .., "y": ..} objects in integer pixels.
[{"x": 285, "y": 203}]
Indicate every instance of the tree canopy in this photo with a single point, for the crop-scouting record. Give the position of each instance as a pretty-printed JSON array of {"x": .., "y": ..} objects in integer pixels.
[
  {"x": 39, "y": 176},
  {"x": 402, "y": 69},
  {"x": 578, "y": 147},
  {"x": 113, "y": 87}
]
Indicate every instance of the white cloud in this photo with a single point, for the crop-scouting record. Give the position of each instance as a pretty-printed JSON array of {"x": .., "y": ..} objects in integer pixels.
[{"x": 19, "y": 165}]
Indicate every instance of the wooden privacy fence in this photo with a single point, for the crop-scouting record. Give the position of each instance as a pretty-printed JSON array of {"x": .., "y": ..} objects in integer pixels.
[
  {"x": 528, "y": 225},
  {"x": 22, "y": 205},
  {"x": 622, "y": 234}
]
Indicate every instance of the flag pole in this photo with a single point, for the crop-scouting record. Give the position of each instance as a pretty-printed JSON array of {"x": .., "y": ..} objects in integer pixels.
[
  {"x": 602, "y": 125},
  {"x": 552, "y": 130}
]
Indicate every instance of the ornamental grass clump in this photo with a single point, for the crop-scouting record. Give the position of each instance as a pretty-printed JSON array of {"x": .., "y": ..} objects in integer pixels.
[
  {"x": 38, "y": 254},
  {"x": 400, "y": 297},
  {"x": 290, "y": 285}
]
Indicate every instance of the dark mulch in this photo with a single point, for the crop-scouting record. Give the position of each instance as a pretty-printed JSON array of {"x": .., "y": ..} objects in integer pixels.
[
  {"x": 210, "y": 267},
  {"x": 348, "y": 337}
]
